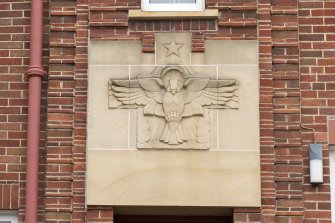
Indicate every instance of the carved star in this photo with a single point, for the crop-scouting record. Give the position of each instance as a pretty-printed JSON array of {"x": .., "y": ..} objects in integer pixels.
[{"x": 173, "y": 48}]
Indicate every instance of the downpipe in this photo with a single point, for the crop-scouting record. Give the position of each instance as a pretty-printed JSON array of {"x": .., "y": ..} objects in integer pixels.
[{"x": 35, "y": 73}]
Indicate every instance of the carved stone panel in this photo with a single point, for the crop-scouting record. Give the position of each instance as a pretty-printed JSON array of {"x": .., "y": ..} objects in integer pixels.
[
  {"x": 174, "y": 127},
  {"x": 173, "y": 104},
  {"x": 173, "y": 48}
]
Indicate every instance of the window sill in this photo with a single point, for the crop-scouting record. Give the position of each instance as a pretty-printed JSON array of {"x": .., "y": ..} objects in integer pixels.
[{"x": 141, "y": 15}]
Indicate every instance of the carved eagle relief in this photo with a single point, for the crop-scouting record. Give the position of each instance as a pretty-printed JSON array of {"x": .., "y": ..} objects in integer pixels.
[{"x": 173, "y": 96}]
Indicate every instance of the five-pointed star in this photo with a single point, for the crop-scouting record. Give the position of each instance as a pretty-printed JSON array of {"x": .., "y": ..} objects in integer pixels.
[{"x": 173, "y": 48}]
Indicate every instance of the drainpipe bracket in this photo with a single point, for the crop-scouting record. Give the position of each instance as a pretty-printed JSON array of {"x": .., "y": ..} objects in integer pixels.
[{"x": 35, "y": 71}]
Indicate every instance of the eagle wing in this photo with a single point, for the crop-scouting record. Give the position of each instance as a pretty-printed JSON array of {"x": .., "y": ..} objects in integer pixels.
[
  {"x": 202, "y": 92},
  {"x": 144, "y": 92}
]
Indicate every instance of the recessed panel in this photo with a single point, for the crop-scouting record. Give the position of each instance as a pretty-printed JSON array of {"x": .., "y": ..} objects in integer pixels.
[{"x": 173, "y": 128}]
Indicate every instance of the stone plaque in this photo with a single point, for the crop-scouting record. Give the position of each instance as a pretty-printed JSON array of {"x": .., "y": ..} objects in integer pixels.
[{"x": 175, "y": 127}]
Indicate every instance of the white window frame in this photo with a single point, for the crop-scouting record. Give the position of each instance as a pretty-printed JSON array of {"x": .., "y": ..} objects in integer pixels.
[
  {"x": 199, "y": 5},
  {"x": 332, "y": 180},
  {"x": 6, "y": 216}
]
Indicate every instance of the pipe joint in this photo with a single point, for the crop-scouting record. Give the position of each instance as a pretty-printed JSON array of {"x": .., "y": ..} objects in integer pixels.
[{"x": 35, "y": 71}]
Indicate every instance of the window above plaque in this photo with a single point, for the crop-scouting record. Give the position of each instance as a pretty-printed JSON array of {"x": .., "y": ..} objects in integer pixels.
[
  {"x": 8, "y": 217},
  {"x": 173, "y": 5}
]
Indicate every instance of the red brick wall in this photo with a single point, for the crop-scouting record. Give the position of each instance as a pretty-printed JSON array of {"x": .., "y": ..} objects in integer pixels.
[
  {"x": 14, "y": 60},
  {"x": 66, "y": 129},
  {"x": 297, "y": 86},
  {"x": 317, "y": 68},
  {"x": 288, "y": 174}
]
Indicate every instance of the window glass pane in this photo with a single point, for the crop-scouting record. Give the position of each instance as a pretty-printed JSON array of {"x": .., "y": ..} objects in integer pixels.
[
  {"x": 8, "y": 217},
  {"x": 171, "y": 1}
]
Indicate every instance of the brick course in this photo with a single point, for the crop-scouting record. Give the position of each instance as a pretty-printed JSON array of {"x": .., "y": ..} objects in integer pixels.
[{"x": 297, "y": 98}]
